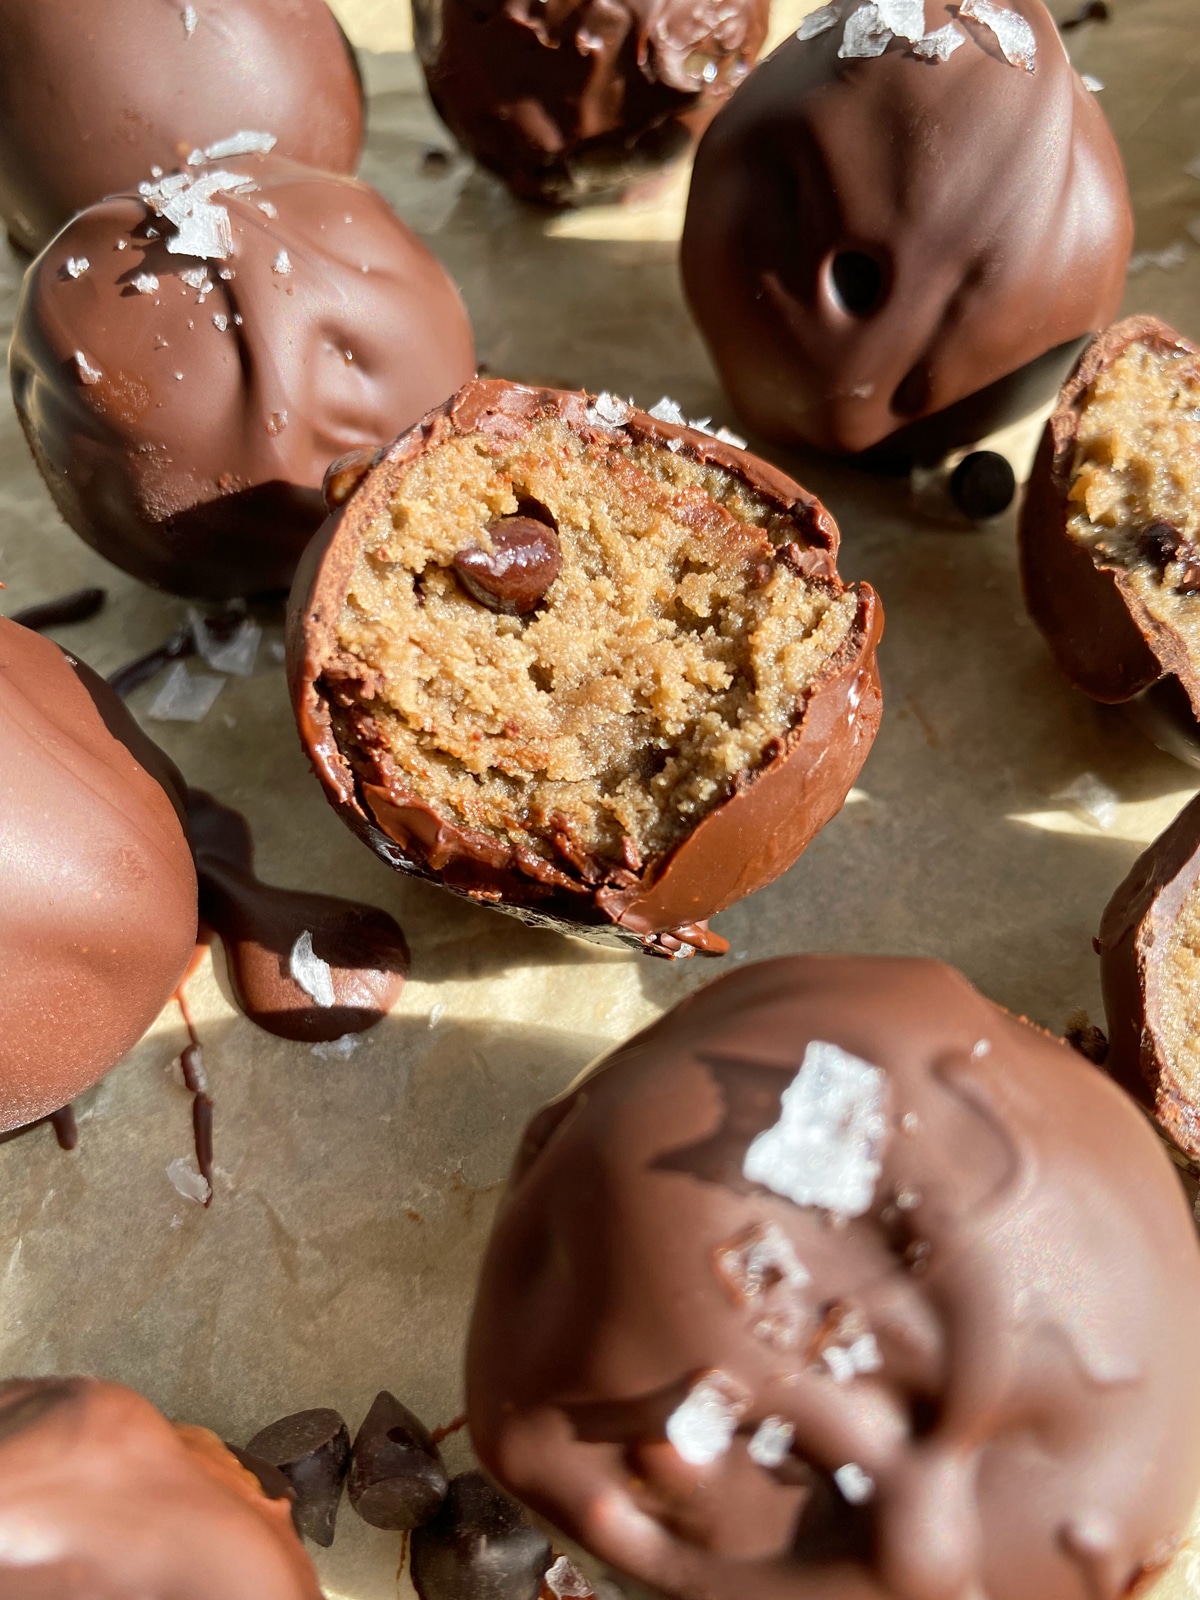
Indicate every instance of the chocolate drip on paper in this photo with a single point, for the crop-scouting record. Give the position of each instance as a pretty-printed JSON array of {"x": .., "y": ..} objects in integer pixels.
[
  {"x": 191, "y": 1064},
  {"x": 63, "y": 1122},
  {"x": 357, "y": 961},
  {"x": 77, "y": 606}
]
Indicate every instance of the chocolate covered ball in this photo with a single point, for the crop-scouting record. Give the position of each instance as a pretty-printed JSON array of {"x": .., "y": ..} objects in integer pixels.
[
  {"x": 1110, "y": 527},
  {"x": 582, "y": 664},
  {"x": 101, "y": 1498},
  {"x": 92, "y": 96},
  {"x": 841, "y": 1283},
  {"x": 188, "y": 360},
  {"x": 576, "y": 100},
  {"x": 903, "y": 224},
  {"x": 97, "y": 887}
]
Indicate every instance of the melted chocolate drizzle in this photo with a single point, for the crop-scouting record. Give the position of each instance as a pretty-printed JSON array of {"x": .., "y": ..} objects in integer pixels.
[
  {"x": 362, "y": 948},
  {"x": 66, "y": 1130},
  {"x": 140, "y": 670},
  {"x": 77, "y": 606},
  {"x": 191, "y": 1064}
]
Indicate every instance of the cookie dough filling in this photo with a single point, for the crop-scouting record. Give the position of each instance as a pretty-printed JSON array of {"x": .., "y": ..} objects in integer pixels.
[
  {"x": 1179, "y": 1004},
  {"x": 573, "y": 646},
  {"x": 1135, "y": 489}
]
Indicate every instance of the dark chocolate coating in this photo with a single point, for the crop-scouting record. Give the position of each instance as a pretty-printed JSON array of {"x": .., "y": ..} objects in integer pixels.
[
  {"x": 1102, "y": 637},
  {"x": 311, "y": 1450},
  {"x": 983, "y": 485},
  {"x": 188, "y": 446},
  {"x": 1028, "y": 1416},
  {"x": 1134, "y": 929},
  {"x": 575, "y": 100},
  {"x": 93, "y": 96},
  {"x": 97, "y": 887},
  {"x": 397, "y": 1479},
  {"x": 872, "y": 242},
  {"x": 744, "y": 843},
  {"x": 101, "y": 1498},
  {"x": 480, "y": 1546}
]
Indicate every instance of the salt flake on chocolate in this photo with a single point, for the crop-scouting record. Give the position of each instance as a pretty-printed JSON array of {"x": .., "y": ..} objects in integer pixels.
[
  {"x": 941, "y": 44},
  {"x": 565, "y": 1581},
  {"x": 190, "y": 20},
  {"x": 76, "y": 266},
  {"x": 282, "y": 264},
  {"x": 201, "y": 228},
  {"x": 856, "y": 1485},
  {"x": 88, "y": 374},
  {"x": 312, "y": 974},
  {"x": 826, "y": 1148},
  {"x": 608, "y": 411},
  {"x": 866, "y": 34},
  {"x": 146, "y": 283},
  {"x": 1013, "y": 34},
  {"x": 668, "y": 410},
  {"x": 702, "y": 1427},
  {"x": 818, "y": 22},
  {"x": 906, "y": 18},
  {"x": 772, "y": 1442},
  {"x": 243, "y": 143}
]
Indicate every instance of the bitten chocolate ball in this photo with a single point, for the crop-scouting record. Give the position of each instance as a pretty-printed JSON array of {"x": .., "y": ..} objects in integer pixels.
[
  {"x": 903, "y": 224},
  {"x": 188, "y": 360},
  {"x": 841, "y": 1282},
  {"x": 646, "y": 718},
  {"x": 575, "y": 100},
  {"x": 93, "y": 96},
  {"x": 97, "y": 887},
  {"x": 102, "y": 1498},
  {"x": 1110, "y": 527},
  {"x": 1150, "y": 968}
]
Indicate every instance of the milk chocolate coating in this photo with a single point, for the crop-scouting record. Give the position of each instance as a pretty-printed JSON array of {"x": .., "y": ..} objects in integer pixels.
[
  {"x": 745, "y": 842},
  {"x": 183, "y": 431},
  {"x": 97, "y": 887},
  {"x": 1102, "y": 637},
  {"x": 872, "y": 242},
  {"x": 576, "y": 100},
  {"x": 93, "y": 96},
  {"x": 1136, "y": 925},
  {"x": 1027, "y": 1268},
  {"x": 101, "y": 1498},
  {"x": 397, "y": 1479}
]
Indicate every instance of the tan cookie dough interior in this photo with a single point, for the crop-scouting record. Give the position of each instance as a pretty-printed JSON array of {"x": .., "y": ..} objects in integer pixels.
[
  {"x": 1137, "y": 465},
  {"x": 667, "y": 657},
  {"x": 1179, "y": 999}
]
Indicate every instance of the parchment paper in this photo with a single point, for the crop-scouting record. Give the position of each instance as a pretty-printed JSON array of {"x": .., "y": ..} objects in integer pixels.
[{"x": 353, "y": 1196}]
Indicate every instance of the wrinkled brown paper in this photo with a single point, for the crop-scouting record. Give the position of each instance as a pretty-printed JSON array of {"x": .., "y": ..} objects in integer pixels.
[{"x": 353, "y": 1195}]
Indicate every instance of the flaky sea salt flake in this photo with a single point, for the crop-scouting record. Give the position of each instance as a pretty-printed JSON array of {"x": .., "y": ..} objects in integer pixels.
[
  {"x": 865, "y": 35},
  {"x": 282, "y": 264},
  {"x": 195, "y": 277},
  {"x": 337, "y": 1049},
  {"x": 235, "y": 653},
  {"x": 192, "y": 1185},
  {"x": 772, "y": 1442},
  {"x": 565, "y": 1581},
  {"x": 818, "y": 22},
  {"x": 1169, "y": 259},
  {"x": 668, "y": 410},
  {"x": 267, "y": 209},
  {"x": 88, "y": 374},
  {"x": 906, "y": 18},
  {"x": 1092, "y": 85},
  {"x": 185, "y": 696},
  {"x": 146, "y": 283},
  {"x": 242, "y": 143},
  {"x": 310, "y": 972},
  {"x": 941, "y": 44},
  {"x": 76, "y": 266},
  {"x": 190, "y": 20},
  {"x": 1093, "y": 797},
  {"x": 826, "y": 1148},
  {"x": 220, "y": 321},
  {"x": 727, "y": 436},
  {"x": 609, "y": 410},
  {"x": 856, "y": 1485},
  {"x": 703, "y": 1425},
  {"x": 1013, "y": 34}
]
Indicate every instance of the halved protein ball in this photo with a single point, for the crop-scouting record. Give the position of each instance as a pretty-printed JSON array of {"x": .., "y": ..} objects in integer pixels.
[
  {"x": 1150, "y": 968},
  {"x": 1110, "y": 529},
  {"x": 586, "y": 666}
]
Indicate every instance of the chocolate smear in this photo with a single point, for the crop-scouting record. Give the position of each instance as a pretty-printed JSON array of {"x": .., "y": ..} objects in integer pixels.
[
  {"x": 397, "y": 1480},
  {"x": 311, "y": 1450},
  {"x": 479, "y": 1547},
  {"x": 77, "y": 606}
]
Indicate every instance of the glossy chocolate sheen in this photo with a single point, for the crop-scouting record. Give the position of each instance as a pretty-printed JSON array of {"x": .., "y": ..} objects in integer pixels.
[
  {"x": 101, "y": 1498},
  {"x": 1136, "y": 926},
  {"x": 976, "y": 216},
  {"x": 1103, "y": 638},
  {"x": 574, "y": 100},
  {"x": 184, "y": 431},
  {"x": 97, "y": 887},
  {"x": 1026, "y": 1409},
  {"x": 93, "y": 95},
  {"x": 744, "y": 843}
]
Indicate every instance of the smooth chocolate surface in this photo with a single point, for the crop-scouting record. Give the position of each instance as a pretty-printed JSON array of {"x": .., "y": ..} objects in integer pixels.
[
  {"x": 97, "y": 887},
  {"x": 745, "y": 842},
  {"x": 575, "y": 100},
  {"x": 841, "y": 1283},
  {"x": 397, "y": 1479},
  {"x": 897, "y": 254},
  {"x": 92, "y": 96},
  {"x": 311, "y": 1452},
  {"x": 101, "y": 1498},
  {"x": 1134, "y": 935},
  {"x": 480, "y": 1546},
  {"x": 1098, "y": 627},
  {"x": 185, "y": 379}
]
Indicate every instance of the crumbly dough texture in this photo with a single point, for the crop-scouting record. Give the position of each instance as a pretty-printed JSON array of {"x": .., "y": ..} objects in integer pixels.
[
  {"x": 669, "y": 656},
  {"x": 1137, "y": 463},
  {"x": 1179, "y": 1002}
]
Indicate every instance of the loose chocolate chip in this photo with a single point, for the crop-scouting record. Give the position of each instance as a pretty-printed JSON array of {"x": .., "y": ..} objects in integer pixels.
[
  {"x": 514, "y": 576},
  {"x": 479, "y": 1547},
  {"x": 312, "y": 1450},
  {"x": 982, "y": 485},
  {"x": 397, "y": 1479},
  {"x": 345, "y": 474}
]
